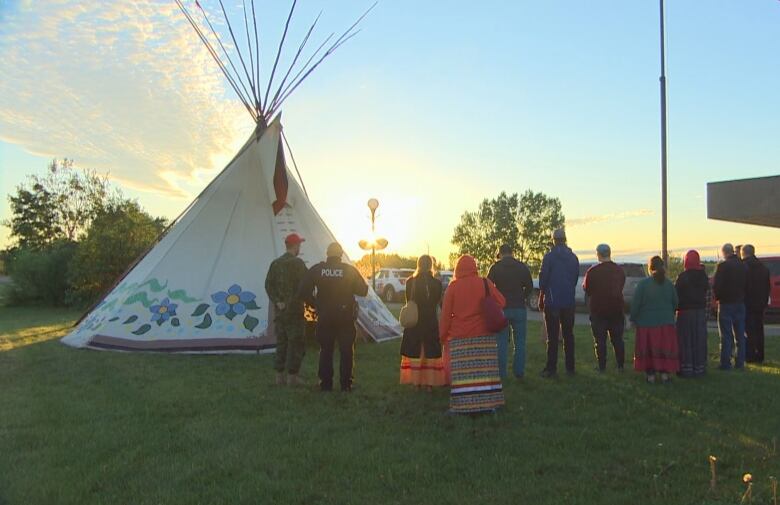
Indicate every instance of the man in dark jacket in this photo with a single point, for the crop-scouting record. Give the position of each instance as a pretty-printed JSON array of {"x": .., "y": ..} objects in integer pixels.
[
  {"x": 557, "y": 281},
  {"x": 729, "y": 290},
  {"x": 513, "y": 279},
  {"x": 756, "y": 301},
  {"x": 336, "y": 283},
  {"x": 604, "y": 286}
]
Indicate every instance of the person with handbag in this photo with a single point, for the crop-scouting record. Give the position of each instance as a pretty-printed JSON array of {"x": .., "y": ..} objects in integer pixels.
[
  {"x": 472, "y": 313},
  {"x": 421, "y": 359}
]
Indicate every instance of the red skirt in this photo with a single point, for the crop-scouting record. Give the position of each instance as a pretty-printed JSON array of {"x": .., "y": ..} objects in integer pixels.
[{"x": 656, "y": 349}]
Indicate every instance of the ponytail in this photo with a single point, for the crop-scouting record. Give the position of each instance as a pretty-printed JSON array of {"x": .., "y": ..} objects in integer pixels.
[{"x": 657, "y": 269}]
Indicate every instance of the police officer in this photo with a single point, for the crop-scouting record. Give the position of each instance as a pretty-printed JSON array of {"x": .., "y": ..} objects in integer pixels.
[
  {"x": 336, "y": 283},
  {"x": 284, "y": 277}
]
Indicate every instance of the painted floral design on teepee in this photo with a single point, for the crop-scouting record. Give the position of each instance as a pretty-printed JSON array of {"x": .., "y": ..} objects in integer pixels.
[
  {"x": 163, "y": 312},
  {"x": 233, "y": 302}
]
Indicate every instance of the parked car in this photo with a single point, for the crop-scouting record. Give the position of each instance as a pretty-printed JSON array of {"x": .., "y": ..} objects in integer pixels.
[
  {"x": 635, "y": 272},
  {"x": 391, "y": 283},
  {"x": 445, "y": 276}
]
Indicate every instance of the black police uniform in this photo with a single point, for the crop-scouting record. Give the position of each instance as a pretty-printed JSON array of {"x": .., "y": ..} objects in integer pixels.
[{"x": 336, "y": 283}]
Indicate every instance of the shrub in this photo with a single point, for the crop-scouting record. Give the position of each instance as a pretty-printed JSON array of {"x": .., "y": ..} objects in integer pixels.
[
  {"x": 41, "y": 276},
  {"x": 116, "y": 237}
]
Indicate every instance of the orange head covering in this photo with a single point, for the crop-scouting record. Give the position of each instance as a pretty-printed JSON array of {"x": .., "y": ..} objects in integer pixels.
[{"x": 465, "y": 267}]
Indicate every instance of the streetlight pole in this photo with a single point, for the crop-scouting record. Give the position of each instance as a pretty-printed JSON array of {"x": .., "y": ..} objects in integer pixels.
[
  {"x": 664, "y": 210},
  {"x": 375, "y": 244},
  {"x": 373, "y": 204}
]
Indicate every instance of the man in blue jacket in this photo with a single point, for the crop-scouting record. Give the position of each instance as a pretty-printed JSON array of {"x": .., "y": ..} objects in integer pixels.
[{"x": 557, "y": 281}]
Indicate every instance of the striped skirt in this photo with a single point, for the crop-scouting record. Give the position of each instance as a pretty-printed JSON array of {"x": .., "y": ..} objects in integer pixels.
[
  {"x": 476, "y": 385},
  {"x": 423, "y": 371}
]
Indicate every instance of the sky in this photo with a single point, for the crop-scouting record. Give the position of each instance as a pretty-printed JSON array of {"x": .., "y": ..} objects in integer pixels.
[{"x": 433, "y": 107}]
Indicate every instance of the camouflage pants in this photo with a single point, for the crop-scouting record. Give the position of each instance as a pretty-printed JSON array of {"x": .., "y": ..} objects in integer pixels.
[{"x": 290, "y": 346}]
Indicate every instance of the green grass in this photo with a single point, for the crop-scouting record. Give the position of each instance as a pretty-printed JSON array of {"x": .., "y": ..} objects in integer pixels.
[{"x": 82, "y": 427}]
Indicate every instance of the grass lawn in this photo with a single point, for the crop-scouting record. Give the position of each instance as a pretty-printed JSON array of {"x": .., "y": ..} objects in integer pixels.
[{"x": 82, "y": 427}]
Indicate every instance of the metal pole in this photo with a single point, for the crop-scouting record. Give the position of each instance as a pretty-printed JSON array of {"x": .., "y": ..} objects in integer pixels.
[
  {"x": 373, "y": 252},
  {"x": 664, "y": 209}
]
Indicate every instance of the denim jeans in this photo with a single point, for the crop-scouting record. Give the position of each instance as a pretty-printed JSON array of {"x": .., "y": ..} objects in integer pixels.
[
  {"x": 517, "y": 318},
  {"x": 731, "y": 325}
]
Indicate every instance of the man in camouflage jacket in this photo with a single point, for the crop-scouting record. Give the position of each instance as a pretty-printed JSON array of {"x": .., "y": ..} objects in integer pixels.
[{"x": 281, "y": 283}]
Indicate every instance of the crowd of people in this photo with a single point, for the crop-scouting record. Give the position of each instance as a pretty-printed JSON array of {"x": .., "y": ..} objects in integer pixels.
[{"x": 462, "y": 338}]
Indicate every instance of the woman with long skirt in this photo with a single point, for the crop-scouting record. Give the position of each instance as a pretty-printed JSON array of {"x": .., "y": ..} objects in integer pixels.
[
  {"x": 473, "y": 352},
  {"x": 692, "y": 287},
  {"x": 652, "y": 312},
  {"x": 421, "y": 357}
]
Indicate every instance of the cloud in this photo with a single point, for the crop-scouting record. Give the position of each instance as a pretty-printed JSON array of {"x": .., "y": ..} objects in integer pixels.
[
  {"x": 124, "y": 87},
  {"x": 618, "y": 216}
]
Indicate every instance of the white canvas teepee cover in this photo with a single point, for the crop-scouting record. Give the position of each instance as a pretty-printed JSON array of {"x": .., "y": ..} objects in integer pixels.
[{"x": 201, "y": 288}]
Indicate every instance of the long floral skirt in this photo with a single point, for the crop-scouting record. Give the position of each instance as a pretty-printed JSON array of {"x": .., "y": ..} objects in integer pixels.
[
  {"x": 692, "y": 341},
  {"x": 656, "y": 349},
  {"x": 476, "y": 385},
  {"x": 423, "y": 371}
]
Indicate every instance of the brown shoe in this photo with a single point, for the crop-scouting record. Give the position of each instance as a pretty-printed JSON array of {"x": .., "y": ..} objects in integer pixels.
[
  {"x": 294, "y": 380},
  {"x": 280, "y": 379}
]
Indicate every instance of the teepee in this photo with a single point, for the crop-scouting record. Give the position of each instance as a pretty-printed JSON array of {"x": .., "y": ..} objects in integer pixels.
[{"x": 200, "y": 288}]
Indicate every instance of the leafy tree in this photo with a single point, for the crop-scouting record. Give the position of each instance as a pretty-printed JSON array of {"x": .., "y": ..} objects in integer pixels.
[
  {"x": 58, "y": 206},
  {"x": 34, "y": 222},
  {"x": 525, "y": 222},
  {"x": 539, "y": 215},
  {"x": 118, "y": 234}
]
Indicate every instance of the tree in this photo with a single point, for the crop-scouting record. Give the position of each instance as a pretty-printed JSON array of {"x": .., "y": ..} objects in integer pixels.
[
  {"x": 117, "y": 236},
  {"x": 539, "y": 215},
  {"x": 59, "y": 205},
  {"x": 525, "y": 222},
  {"x": 34, "y": 222}
]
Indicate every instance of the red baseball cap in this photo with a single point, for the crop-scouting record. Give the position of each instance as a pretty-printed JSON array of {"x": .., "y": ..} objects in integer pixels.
[{"x": 293, "y": 239}]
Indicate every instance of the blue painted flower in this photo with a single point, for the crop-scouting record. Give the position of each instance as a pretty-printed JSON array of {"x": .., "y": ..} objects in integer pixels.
[
  {"x": 164, "y": 311},
  {"x": 233, "y": 302}
]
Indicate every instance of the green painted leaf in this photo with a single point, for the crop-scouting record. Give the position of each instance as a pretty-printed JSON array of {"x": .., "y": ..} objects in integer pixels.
[
  {"x": 160, "y": 322},
  {"x": 203, "y": 307},
  {"x": 108, "y": 305},
  {"x": 113, "y": 319},
  {"x": 130, "y": 319},
  {"x": 251, "y": 305},
  {"x": 154, "y": 285},
  {"x": 181, "y": 295},
  {"x": 142, "y": 329},
  {"x": 230, "y": 314},
  {"x": 141, "y": 298},
  {"x": 205, "y": 323},
  {"x": 250, "y": 323},
  {"x": 175, "y": 321}
]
